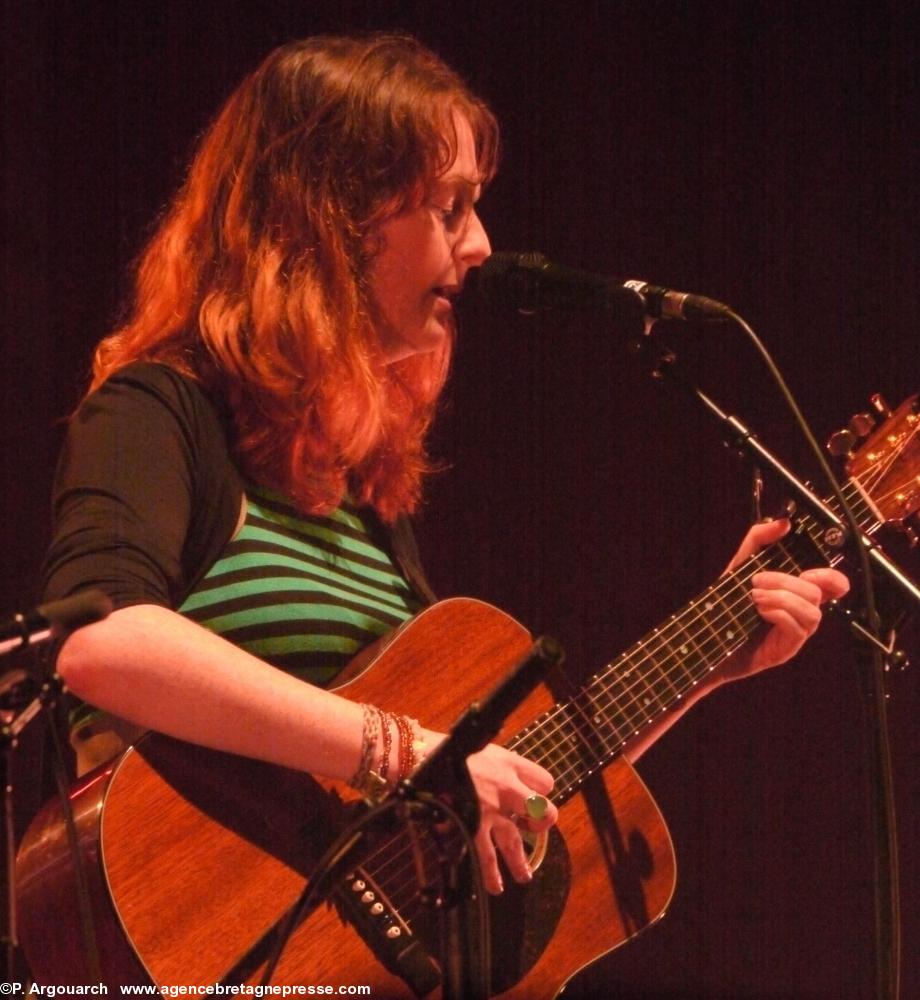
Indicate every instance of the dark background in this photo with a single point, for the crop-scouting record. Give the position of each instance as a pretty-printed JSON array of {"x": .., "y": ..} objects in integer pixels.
[{"x": 764, "y": 154}]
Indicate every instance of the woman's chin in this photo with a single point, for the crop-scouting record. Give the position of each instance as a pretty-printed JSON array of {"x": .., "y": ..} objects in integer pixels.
[{"x": 431, "y": 337}]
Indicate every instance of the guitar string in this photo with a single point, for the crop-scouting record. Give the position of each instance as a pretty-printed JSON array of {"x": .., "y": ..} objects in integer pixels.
[
  {"x": 662, "y": 639},
  {"x": 665, "y": 638},
  {"x": 861, "y": 506},
  {"x": 880, "y": 469},
  {"x": 546, "y": 733},
  {"x": 637, "y": 708},
  {"x": 876, "y": 473},
  {"x": 578, "y": 722},
  {"x": 399, "y": 884},
  {"x": 678, "y": 626},
  {"x": 393, "y": 883},
  {"x": 893, "y": 492},
  {"x": 885, "y": 464}
]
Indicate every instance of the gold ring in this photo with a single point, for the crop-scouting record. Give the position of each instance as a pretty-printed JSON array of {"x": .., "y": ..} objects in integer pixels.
[{"x": 536, "y": 806}]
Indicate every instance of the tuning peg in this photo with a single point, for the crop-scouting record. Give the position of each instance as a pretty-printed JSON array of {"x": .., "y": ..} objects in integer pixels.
[
  {"x": 861, "y": 424},
  {"x": 840, "y": 443},
  {"x": 880, "y": 406}
]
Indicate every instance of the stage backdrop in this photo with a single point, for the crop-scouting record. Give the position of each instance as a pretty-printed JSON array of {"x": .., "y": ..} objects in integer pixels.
[{"x": 765, "y": 155}]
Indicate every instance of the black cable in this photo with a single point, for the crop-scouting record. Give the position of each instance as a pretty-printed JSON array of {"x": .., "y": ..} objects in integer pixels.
[
  {"x": 84, "y": 907},
  {"x": 342, "y": 847},
  {"x": 881, "y": 792}
]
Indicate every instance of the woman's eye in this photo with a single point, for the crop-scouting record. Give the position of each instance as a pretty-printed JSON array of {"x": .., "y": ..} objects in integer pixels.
[{"x": 451, "y": 212}]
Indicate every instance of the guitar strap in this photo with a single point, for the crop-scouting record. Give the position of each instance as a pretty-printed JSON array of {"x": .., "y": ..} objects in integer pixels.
[{"x": 405, "y": 552}]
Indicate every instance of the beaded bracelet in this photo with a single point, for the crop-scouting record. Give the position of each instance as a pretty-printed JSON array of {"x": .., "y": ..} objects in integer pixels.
[
  {"x": 405, "y": 748},
  {"x": 385, "y": 719},
  {"x": 373, "y": 784},
  {"x": 369, "y": 737}
]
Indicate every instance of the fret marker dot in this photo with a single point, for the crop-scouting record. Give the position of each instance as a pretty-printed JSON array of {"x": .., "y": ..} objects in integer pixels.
[
  {"x": 708, "y": 605},
  {"x": 683, "y": 650},
  {"x": 729, "y": 634}
]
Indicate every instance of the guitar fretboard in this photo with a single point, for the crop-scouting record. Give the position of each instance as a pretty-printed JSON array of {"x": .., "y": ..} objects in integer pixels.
[{"x": 577, "y": 738}]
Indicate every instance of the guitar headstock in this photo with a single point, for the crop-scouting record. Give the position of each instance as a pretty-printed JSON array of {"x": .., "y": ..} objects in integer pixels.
[{"x": 886, "y": 465}]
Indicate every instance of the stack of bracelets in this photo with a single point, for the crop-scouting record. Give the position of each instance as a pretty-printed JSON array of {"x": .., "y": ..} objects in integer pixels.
[{"x": 379, "y": 727}]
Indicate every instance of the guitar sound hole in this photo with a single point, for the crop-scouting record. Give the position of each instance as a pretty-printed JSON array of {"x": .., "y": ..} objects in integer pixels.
[{"x": 524, "y": 917}]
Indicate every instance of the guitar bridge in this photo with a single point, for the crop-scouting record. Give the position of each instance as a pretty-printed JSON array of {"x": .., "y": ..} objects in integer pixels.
[{"x": 384, "y": 931}]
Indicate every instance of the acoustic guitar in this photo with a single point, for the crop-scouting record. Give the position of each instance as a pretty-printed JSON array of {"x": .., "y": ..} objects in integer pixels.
[{"x": 193, "y": 857}]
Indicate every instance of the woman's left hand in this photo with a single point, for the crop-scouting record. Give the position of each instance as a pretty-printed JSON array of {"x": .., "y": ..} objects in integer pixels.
[{"x": 790, "y": 604}]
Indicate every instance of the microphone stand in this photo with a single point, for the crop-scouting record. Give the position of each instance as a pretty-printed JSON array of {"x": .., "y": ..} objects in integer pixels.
[
  {"x": 442, "y": 786},
  {"x": 878, "y": 657},
  {"x": 22, "y": 697},
  {"x": 742, "y": 439},
  {"x": 21, "y": 700},
  {"x": 441, "y": 791}
]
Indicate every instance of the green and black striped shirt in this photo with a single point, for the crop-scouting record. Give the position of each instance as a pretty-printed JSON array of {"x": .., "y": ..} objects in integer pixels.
[{"x": 304, "y": 593}]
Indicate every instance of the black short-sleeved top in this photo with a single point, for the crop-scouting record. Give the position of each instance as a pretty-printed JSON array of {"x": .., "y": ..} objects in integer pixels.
[{"x": 147, "y": 502}]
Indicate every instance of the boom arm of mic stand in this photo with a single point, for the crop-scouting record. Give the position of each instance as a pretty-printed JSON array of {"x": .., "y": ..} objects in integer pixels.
[
  {"x": 746, "y": 442},
  {"x": 445, "y": 768}
]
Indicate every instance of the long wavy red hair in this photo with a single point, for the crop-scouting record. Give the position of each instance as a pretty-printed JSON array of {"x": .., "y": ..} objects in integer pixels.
[{"x": 255, "y": 282}]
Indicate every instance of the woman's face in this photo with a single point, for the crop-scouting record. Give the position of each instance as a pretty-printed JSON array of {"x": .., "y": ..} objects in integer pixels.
[{"x": 426, "y": 253}]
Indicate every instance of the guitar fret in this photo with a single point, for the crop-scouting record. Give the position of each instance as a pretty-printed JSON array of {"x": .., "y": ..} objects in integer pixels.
[
  {"x": 610, "y": 696},
  {"x": 712, "y": 643},
  {"x": 789, "y": 564},
  {"x": 595, "y": 718},
  {"x": 558, "y": 743},
  {"x": 594, "y": 744},
  {"x": 661, "y": 659},
  {"x": 860, "y": 506},
  {"x": 656, "y": 692},
  {"x": 659, "y": 670},
  {"x": 723, "y": 624},
  {"x": 627, "y": 680},
  {"x": 567, "y": 750},
  {"x": 526, "y": 745},
  {"x": 685, "y": 654},
  {"x": 680, "y": 649},
  {"x": 859, "y": 500}
]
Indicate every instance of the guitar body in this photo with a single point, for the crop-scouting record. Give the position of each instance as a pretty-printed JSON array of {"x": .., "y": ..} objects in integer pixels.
[{"x": 193, "y": 856}]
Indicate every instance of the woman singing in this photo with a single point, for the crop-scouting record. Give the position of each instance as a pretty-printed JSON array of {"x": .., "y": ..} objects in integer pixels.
[{"x": 239, "y": 477}]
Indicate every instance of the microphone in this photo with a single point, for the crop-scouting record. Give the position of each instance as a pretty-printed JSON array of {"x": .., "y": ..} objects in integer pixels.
[
  {"x": 665, "y": 303},
  {"x": 528, "y": 282},
  {"x": 53, "y": 618}
]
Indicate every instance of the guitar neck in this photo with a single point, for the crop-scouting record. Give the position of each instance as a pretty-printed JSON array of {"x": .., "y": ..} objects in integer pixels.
[{"x": 575, "y": 739}]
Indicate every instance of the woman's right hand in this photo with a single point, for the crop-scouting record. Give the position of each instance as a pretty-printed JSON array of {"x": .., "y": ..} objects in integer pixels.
[{"x": 504, "y": 781}]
